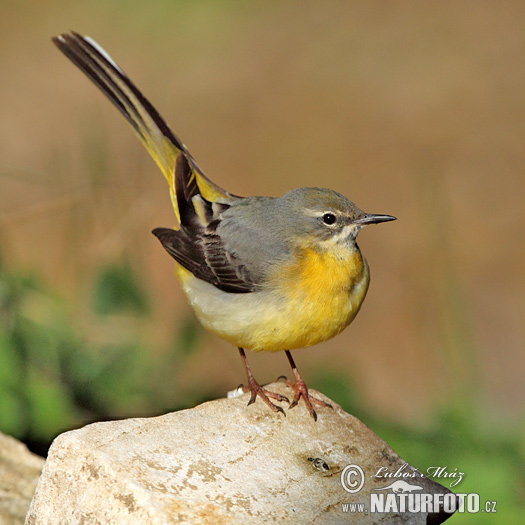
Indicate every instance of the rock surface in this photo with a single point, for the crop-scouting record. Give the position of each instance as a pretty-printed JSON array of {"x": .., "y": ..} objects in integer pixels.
[
  {"x": 222, "y": 462},
  {"x": 19, "y": 472}
]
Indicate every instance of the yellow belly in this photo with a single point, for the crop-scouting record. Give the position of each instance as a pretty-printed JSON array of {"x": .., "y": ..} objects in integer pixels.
[
  {"x": 323, "y": 293},
  {"x": 307, "y": 301}
]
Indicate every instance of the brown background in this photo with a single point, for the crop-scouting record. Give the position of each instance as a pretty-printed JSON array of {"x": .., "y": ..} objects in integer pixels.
[{"x": 415, "y": 109}]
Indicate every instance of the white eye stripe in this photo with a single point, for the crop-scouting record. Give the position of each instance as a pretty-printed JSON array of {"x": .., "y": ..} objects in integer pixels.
[{"x": 316, "y": 213}]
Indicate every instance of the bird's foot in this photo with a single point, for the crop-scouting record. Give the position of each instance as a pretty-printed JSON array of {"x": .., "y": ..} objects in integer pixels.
[
  {"x": 301, "y": 390},
  {"x": 258, "y": 390}
]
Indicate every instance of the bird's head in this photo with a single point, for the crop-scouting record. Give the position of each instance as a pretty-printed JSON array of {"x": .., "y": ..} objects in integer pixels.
[{"x": 324, "y": 218}]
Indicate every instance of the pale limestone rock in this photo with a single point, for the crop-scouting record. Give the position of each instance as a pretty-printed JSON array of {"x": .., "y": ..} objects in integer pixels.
[
  {"x": 219, "y": 463},
  {"x": 19, "y": 471}
]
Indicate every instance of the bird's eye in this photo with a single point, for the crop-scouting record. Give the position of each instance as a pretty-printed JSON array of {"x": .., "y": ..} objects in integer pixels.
[{"x": 329, "y": 218}]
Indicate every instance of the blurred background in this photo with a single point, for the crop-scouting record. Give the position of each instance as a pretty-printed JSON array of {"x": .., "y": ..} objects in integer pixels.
[{"x": 414, "y": 109}]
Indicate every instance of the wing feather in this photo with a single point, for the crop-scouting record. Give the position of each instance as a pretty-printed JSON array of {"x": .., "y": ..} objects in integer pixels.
[{"x": 196, "y": 245}]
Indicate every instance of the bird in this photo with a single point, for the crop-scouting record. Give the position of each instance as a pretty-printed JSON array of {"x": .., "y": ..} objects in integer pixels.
[{"x": 263, "y": 273}]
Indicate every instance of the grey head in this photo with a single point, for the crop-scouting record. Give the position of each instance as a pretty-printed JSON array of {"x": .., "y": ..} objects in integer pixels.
[
  {"x": 323, "y": 214},
  {"x": 262, "y": 230}
]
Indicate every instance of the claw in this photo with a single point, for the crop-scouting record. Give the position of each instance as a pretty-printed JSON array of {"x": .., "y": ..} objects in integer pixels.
[
  {"x": 257, "y": 390},
  {"x": 301, "y": 390}
]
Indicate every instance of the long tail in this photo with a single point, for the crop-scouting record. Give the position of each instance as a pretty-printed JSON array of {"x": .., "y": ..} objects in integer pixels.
[{"x": 161, "y": 143}]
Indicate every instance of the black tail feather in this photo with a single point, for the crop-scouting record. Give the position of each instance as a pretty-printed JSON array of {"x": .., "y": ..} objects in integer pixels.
[{"x": 92, "y": 62}]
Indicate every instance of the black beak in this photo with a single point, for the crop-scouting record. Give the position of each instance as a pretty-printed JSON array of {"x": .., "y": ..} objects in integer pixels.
[{"x": 371, "y": 218}]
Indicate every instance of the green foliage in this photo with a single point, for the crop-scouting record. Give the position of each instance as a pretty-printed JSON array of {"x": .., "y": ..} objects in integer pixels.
[
  {"x": 117, "y": 291},
  {"x": 53, "y": 377}
]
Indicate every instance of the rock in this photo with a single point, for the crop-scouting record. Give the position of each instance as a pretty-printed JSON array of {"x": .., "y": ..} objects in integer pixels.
[
  {"x": 19, "y": 471},
  {"x": 223, "y": 462}
]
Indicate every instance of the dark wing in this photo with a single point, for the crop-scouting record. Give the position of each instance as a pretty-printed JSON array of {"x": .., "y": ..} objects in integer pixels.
[{"x": 196, "y": 245}]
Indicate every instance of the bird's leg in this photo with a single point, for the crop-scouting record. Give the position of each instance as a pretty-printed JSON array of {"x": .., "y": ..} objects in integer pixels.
[
  {"x": 258, "y": 390},
  {"x": 301, "y": 389}
]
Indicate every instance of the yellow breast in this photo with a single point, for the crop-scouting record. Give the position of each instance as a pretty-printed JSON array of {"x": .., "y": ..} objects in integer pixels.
[
  {"x": 305, "y": 301},
  {"x": 322, "y": 292}
]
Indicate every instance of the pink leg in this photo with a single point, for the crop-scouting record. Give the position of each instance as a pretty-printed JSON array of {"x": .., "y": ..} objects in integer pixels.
[
  {"x": 301, "y": 390},
  {"x": 258, "y": 390}
]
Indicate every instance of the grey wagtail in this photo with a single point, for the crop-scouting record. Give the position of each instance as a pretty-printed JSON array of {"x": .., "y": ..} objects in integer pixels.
[{"x": 263, "y": 273}]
